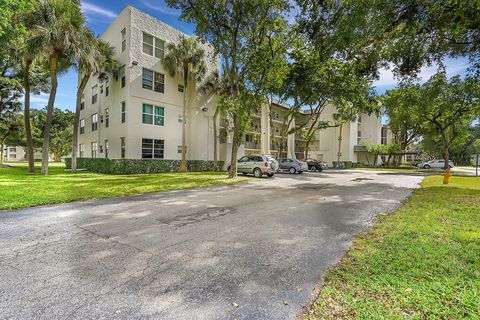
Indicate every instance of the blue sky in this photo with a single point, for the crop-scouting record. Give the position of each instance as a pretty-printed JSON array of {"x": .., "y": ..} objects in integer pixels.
[{"x": 100, "y": 14}]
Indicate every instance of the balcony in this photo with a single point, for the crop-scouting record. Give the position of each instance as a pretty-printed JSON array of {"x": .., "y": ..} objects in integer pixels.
[
  {"x": 359, "y": 148},
  {"x": 252, "y": 145}
]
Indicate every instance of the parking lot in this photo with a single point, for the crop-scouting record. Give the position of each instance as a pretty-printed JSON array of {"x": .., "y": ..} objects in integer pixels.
[{"x": 250, "y": 251}]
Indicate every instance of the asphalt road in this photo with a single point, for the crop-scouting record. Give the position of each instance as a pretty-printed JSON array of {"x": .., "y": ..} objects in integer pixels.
[{"x": 233, "y": 252}]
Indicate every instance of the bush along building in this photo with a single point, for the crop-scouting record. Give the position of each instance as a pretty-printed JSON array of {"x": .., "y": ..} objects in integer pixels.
[{"x": 137, "y": 114}]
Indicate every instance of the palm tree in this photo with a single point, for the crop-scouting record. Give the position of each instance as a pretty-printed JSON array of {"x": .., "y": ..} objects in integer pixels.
[
  {"x": 215, "y": 85},
  {"x": 95, "y": 57},
  {"x": 186, "y": 58},
  {"x": 346, "y": 113},
  {"x": 57, "y": 35}
]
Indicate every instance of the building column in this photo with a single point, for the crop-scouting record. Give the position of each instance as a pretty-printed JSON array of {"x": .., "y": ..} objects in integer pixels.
[{"x": 265, "y": 129}]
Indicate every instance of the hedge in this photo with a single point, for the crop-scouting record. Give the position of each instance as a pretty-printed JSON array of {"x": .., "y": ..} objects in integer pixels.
[
  {"x": 134, "y": 166},
  {"x": 347, "y": 164}
]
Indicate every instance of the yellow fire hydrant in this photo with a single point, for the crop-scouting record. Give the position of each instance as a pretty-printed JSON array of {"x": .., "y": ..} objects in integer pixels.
[{"x": 446, "y": 175}]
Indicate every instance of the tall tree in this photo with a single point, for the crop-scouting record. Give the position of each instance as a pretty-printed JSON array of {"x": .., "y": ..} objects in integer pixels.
[
  {"x": 9, "y": 111},
  {"x": 93, "y": 57},
  {"x": 188, "y": 59},
  {"x": 445, "y": 108},
  {"x": 57, "y": 33},
  {"x": 236, "y": 29},
  {"x": 215, "y": 85}
]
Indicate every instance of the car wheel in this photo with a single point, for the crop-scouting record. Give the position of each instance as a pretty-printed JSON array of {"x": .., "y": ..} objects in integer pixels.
[
  {"x": 257, "y": 173},
  {"x": 270, "y": 175},
  {"x": 426, "y": 166},
  {"x": 320, "y": 169},
  {"x": 292, "y": 170},
  {"x": 312, "y": 168}
]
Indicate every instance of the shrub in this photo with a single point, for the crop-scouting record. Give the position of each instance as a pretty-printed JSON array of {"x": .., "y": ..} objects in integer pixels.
[{"x": 139, "y": 166}]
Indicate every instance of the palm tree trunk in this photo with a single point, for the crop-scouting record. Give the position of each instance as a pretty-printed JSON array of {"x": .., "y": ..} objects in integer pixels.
[
  {"x": 48, "y": 121},
  {"x": 28, "y": 128},
  {"x": 235, "y": 145},
  {"x": 339, "y": 145},
  {"x": 215, "y": 139},
  {"x": 76, "y": 121},
  {"x": 183, "y": 165}
]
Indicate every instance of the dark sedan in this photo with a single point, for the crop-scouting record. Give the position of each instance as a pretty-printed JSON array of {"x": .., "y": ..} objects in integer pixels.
[{"x": 316, "y": 165}]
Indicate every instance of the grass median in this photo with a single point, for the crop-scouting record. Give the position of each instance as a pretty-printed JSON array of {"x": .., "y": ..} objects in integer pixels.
[
  {"x": 20, "y": 189},
  {"x": 421, "y": 262}
]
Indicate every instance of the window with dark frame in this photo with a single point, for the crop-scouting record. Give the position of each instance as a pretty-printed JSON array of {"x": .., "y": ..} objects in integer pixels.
[
  {"x": 121, "y": 74},
  {"x": 152, "y": 149},
  {"x": 82, "y": 102},
  {"x": 94, "y": 149},
  {"x": 107, "y": 91},
  {"x": 106, "y": 148},
  {"x": 94, "y": 122},
  {"x": 82, "y": 126},
  {"x": 107, "y": 118},
  {"x": 152, "y": 80},
  {"x": 94, "y": 94},
  {"x": 124, "y": 113},
  {"x": 81, "y": 150},
  {"x": 181, "y": 88},
  {"x": 153, "y": 46},
  {"x": 153, "y": 115},
  {"x": 124, "y": 39}
]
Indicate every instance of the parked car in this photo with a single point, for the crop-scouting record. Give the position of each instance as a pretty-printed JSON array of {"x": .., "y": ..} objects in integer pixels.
[
  {"x": 258, "y": 165},
  {"x": 438, "y": 164},
  {"x": 316, "y": 165},
  {"x": 292, "y": 165}
]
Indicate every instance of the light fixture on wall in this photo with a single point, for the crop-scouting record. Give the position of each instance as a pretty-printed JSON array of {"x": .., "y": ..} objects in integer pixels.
[
  {"x": 134, "y": 63},
  {"x": 204, "y": 109}
]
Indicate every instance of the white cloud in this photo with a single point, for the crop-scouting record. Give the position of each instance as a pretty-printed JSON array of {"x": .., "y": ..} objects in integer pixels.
[
  {"x": 163, "y": 8},
  {"x": 39, "y": 99},
  {"x": 453, "y": 67},
  {"x": 92, "y": 9}
]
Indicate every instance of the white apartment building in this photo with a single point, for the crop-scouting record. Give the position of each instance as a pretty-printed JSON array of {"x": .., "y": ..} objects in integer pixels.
[
  {"x": 18, "y": 153},
  {"x": 139, "y": 113}
]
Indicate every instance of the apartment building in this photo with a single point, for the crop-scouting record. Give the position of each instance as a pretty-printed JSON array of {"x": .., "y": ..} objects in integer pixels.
[
  {"x": 18, "y": 153},
  {"x": 138, "y": 114}
]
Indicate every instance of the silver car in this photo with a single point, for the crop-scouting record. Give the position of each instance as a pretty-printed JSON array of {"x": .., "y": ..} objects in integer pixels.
[
  {"x": 440, "y": 164},
  {"x": 292, "y": 165},
  {"x": 258, "y": 165}
]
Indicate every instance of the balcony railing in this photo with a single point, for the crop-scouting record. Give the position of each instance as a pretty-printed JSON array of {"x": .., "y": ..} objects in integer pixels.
[
  {"x": 359, "y": 148},
  {"x": 251, "y": 145}
]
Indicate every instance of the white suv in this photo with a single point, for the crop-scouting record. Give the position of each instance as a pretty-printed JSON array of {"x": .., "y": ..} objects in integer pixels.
[{"x": 438, "y": 164}]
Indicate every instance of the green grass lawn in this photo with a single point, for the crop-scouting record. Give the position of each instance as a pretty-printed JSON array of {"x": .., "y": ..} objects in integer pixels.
[
  {"x": 421, "y": 262},
  {"x": 19, "y": 189}
]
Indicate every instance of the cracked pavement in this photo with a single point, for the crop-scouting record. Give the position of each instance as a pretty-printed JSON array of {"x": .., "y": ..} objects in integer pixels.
[{"x": 230, "y": 252}]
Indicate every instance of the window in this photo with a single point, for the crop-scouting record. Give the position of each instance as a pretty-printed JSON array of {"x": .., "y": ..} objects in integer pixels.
[
  {"x": 82, "y": 126},
  {"x": 152, "y": 80},
  {"x": 107, "y": 91},
  {"x": 107, "y": 118},
  {"x": 180, "y": 88},
  {"x": 81, "y": 150},
  {"x": 121, "y": 74},
  {"x": 82, "y": 102},
  {"x": 101, "y": 89},
  {"x": 179, "y": 149},
  {"x": 152, "y": 148},
  {"x": 94, "y": 122},
  {"x": 153, "y": 46},
  {"x": 124, "y": 115},
  {"x": 153, "y": 115},
  {"x": 180, "y": 118},
  {"x": 13, "y": 149},
  {"x": 124, "y": 39},
  {"x": 94, "y": 149},
  {"x": 94, "y": 94},
  {"x": 106, "y": 148},
  {"x": 122, "y": 147}
]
